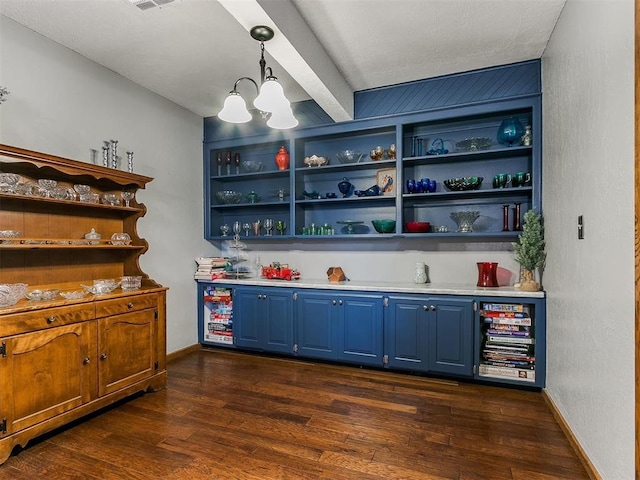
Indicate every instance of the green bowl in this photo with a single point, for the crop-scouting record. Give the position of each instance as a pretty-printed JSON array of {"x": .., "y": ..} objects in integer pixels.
[{"x": 384, "y": 226}]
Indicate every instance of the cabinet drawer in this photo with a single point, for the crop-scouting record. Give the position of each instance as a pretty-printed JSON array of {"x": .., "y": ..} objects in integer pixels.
[
  {"x": 17, "y": 323},
  {"x": 117, "y": 306}
]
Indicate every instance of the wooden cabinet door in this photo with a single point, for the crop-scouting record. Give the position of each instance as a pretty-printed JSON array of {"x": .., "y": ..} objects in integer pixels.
[
  {"x": 407, "y": 333},
  {"x": 278, "y": 324},
  {"x": 126, "y": 349},
  {"x": 316, "y": 325},
  {"x": 360, "y": 329},
  {"x": 451, "y": 336},
  {"x": 46, "y": 373}
]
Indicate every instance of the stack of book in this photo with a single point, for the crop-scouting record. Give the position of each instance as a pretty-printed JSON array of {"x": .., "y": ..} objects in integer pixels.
[
  {"x": 219, "y": 325},
  {"x": 210, "y": 268},
  {"x": 508, "y": 345}
]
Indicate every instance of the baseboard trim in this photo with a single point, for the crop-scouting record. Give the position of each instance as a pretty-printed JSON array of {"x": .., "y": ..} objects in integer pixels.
[
  {"x": 184, "y": 351},
  {"x": 573, "y": 441}
]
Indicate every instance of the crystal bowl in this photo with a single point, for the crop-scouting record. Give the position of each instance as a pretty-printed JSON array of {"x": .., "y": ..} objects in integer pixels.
[
  {"x": 131, "y": 282},
  {"x": 120, "y": 239},
  {"x": 73, "y": 295},
  {"x": 252, "y": 166},
  {"x": 463, "y": 183},
  {"x": 10, "y": 293},
  {"x": 316, "y": 161},
  {"x": 474, "y": 143},
  {"x": 418, "y": 227},
  {"x": 384, "y": 226},
  {"x": 464, "y": 220},
  {"x": 42, "y": 294},
  {"x": 228, "y": 197},
  {"x": 82, "y": 189},
  {"x": 7, "y": 234},
  {"x": 110, "y": 199},
  {"x": 349, "y": 156}
]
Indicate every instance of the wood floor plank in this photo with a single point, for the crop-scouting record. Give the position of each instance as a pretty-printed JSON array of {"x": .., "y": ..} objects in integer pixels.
[{"x": 234, "y": 416}]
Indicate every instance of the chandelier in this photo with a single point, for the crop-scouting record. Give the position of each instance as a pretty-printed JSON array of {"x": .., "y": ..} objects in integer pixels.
[{"x": 271, "y": 102}]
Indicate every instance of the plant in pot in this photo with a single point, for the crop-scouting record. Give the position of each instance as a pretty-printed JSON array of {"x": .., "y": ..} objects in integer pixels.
[{"x": 529, "y": 250}]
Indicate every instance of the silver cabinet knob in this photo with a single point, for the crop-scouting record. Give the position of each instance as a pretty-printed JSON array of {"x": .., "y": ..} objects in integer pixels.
[
  {"x": 425, "y": 308},
  {"x": 51, "y": 319},
  {"x": 103, "y": 356},
  {"x": 333, "y": 302},
  {"x": 130, "y": 305},
  {"x": 340, "y": 302},
  {"x": 432, "y": 308},
  {"x": 86, "y": 361}
]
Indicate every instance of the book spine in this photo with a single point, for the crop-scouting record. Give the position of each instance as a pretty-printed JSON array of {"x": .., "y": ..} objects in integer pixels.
[
  {"x": 508, "y": 321},
  {"x": 525, "y": 375},
  {"x": 503, "y": 339},
  {"x": 504, "y": 307}
]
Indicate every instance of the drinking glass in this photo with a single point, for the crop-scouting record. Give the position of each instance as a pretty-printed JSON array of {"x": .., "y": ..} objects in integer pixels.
[
  {"x": 257, "y": 225},
  {"x": 246, "y": 227},
  {"x": 281, "y": 227},
  {"x": 268, "y": 225},
  {"x": 224, "y": 229},
  {"x": 236, "y": 227},
  {"x": 127, "y": 197}
]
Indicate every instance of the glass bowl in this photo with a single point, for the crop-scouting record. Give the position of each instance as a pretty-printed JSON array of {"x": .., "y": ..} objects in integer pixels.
[
  {"x": 110, "y": 199},
  {"x": 252, "y": 166},
  {"x": 37, "y": 295},
  {"x": 10, "y": 293},
  {"x": 120, "y": 239},
  {"x": 73, "y": 295},
  {"x": 8, "y": 182},
  {"x": 349, "y": 156},
  {"x": 316, "y": 161},
  {"x": 82, "y": 189},
  {"x": 99, "y": 289},
  {"x": 131, "y": 282},
  {"x": 418, "y": 227},
  {"x": 463, "y": 183},
  {"x": 384, "y": 226},
  {"x": 228, "y": 197},
  {"x": 7, "y": 235},
  {"x": 464, "y": 220}
]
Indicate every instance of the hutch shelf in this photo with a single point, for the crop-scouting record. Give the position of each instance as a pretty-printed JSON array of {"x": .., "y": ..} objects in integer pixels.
[{"x": 61, "y": 359}]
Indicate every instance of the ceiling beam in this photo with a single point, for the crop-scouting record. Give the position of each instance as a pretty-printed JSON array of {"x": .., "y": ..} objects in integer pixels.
[{"x": 298, "y": 51}]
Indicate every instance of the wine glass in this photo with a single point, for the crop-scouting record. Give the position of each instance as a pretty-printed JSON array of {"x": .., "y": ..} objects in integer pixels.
[
  {"x": 268, "y": 225},
  {"x": 257, "y": 225},
  {"x": 47, "y": 185},
  {"x": 237, "y": 227},
  {"x": 224, "y": 229},
  {"x": 281, "y": 226},
  {"x": 246, "y": 227},
  {"x": 127, "y": 197}
]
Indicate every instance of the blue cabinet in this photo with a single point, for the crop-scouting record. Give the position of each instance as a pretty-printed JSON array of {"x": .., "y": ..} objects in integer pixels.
[
  {"x": 263, "y": 319},
  {"x": 430, "y": 334},
  {"x": 341, "y": 326}
]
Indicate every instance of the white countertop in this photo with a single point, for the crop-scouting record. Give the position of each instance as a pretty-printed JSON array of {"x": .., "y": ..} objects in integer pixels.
[{"x": 387, "y": 287}]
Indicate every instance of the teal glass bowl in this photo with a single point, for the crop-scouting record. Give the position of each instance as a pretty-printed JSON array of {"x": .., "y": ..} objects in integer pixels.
[{"x": 384, "y": 226}]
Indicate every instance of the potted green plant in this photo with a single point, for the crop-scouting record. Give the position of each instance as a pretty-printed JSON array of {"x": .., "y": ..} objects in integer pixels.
[{"x": 529, "y": 250}]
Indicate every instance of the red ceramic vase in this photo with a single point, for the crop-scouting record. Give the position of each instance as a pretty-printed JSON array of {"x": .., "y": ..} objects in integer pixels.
[
  {"x": 487, "y": 274},
  {"x": 282, "y": 159}
]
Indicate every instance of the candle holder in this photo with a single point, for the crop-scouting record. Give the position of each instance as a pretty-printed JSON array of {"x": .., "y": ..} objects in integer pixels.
[
  {"x": 505, "y": 218},
  {"x": 517, "y": 225}
]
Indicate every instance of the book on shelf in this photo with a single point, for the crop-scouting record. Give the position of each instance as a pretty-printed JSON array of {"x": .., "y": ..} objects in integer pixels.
[
  {"x": 510, "y": 340},
  {"x": 512, "y": 364},
  {"x": 504, "y": 307},
  {"x": 525, "y": 321},
  {"x": 492, "y": 314},
  {"x": 508, "y": 356},
  {"x": 494, "y": 371},
  {"x": 508, "y": 333}
]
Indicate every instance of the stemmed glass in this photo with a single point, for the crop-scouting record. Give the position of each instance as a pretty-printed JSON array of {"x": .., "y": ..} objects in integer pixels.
[
  {"x": 281, "y": 226},
  {"x": 237, "y": 228},
  {"x": 127, "y": 197},
  {"x": 268, "y": 225},
  {"x": 47, "y": 185},
  {"x": 257, "y": 225},
  {"x": 246, "y": 227},
  {"x": 224, "y": 229}
]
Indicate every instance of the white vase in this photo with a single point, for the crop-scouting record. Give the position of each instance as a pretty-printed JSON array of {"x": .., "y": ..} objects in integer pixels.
[{"x": 421, "y": 273}]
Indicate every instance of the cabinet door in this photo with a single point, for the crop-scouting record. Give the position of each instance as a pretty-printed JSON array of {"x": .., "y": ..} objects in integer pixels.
[
  {"x": 360, "y": 329},
  {"x": 277, "y": 328},
  {"x": 451, "y": 336},
  {"x": 406, "y": 333},
  {"x": 126, "y": 349},
  {"x": 248, "y": 312},
  {"x": 46, "y": 373},
  {"x": 316, "y": 325}
]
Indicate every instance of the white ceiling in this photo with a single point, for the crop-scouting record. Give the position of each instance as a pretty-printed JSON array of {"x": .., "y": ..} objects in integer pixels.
[{"x": 192, "y": 51}]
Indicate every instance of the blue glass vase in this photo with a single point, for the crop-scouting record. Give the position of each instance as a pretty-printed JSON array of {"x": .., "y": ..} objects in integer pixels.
[{"x": 510, "y": 132}]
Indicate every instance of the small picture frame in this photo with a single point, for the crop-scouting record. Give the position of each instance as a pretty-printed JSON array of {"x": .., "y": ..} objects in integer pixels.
[{"x": 386, "y": 180}]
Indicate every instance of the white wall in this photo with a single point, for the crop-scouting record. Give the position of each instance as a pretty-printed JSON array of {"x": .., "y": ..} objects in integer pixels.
[
  {"x": 63, "y": 104},
  {"x": 589, "y": 170}
]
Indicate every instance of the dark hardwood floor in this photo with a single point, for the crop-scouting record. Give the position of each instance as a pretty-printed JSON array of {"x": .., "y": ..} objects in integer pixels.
[{"x": 228, "y": 415}]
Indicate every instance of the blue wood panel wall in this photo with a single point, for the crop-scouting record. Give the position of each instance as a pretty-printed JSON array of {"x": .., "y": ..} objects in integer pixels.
[
  {"x": 468, "y": 88},
  {"x": 478, "y": 86}
]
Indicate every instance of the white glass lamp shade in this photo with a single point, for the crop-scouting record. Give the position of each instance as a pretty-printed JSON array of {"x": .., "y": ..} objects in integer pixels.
[
  {"x": 234, "y": 109},
  {"x": 282, "y": 119},
  {"x": 271, "y": 96}
]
